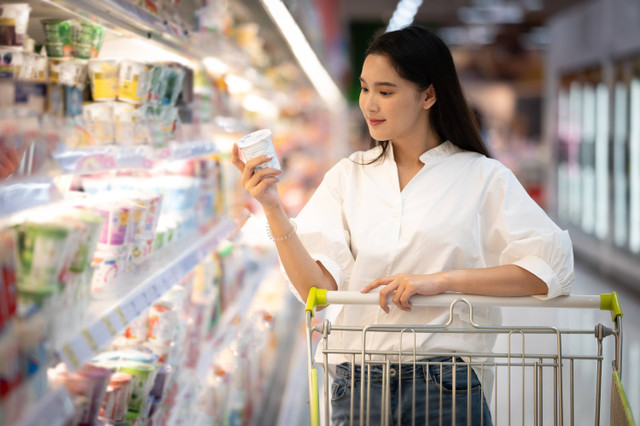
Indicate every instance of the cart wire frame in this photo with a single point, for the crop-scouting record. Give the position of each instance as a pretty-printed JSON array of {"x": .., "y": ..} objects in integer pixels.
[{"x": 620, "y": 410}]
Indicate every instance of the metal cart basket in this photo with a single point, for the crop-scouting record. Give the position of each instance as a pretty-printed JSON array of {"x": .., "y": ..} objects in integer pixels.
[{"x": 527, "y": 383}]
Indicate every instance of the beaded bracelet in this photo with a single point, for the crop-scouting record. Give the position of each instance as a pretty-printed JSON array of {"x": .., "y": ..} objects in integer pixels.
[{"x": 286, "y": 236}]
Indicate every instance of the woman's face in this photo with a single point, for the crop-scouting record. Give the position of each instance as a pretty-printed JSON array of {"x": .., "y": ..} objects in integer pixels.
[{"x": 393, "y": 107}]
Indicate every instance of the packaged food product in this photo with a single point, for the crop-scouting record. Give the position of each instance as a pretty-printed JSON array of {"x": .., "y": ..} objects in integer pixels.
[
  {"x": 8, "y": 271},
  {"x": 73, "y": 73},
  {"x": 59, "y": 36},
  {"x": 133, "y": 82},
  {"x": 99, "y": 119},
  {"x": 116, "y": 400},
  {"x": 116, "y": 230},
  {"x": 14, "y": 18},
  {"x": 103, "y": 75},
  {"x": 10, "y": 62},
  {"x": 87, "y": 40},
  {"x": 259, "y": 143},
  {"x": 42, "y": 253},
  {"x": 108, "y": 270},
  {"x": 163, "y": 320},
  {"x": 142, "y": 378},
  {"x": 55, "y": 66}
]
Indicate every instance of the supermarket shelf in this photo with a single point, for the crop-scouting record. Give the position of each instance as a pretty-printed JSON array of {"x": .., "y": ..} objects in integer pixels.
[
  {"x": 27, "y": 193},
  {"x": 124, "y": 16},
  {"x": 109, "y": 317},
  {"x": 115, "y": 157},
  {"x": 53, "y": 409}
]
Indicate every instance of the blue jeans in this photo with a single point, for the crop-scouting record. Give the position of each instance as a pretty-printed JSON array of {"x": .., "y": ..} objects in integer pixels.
[{"x": 427, "y": 379}]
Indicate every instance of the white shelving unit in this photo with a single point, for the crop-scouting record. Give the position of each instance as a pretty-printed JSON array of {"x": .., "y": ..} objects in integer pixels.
[{"x": 109, "y": 317}]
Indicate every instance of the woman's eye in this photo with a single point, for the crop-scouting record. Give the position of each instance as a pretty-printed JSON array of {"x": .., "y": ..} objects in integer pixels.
[
  {"x": 383, "y": 93},
  {"x": 364, "y": 89}
]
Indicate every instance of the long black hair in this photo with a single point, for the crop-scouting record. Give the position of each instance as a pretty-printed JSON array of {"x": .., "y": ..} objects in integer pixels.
[{"x": 420, "y": 56}]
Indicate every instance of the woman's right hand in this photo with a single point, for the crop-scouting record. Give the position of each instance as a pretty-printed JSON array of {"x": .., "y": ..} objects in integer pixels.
[{"x": 261, "y": 183}]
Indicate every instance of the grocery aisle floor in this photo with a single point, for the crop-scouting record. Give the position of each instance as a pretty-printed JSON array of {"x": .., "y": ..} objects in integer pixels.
[{"x": 294, "y": 408}]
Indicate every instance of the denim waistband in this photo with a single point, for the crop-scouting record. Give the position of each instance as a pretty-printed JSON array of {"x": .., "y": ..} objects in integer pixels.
[{"x": 404, "y": 370}]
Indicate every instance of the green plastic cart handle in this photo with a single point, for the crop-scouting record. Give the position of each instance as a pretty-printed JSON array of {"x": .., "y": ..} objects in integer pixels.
[
  {"x": 610, "y": 302},
  {"x": 316, "y": 297}
]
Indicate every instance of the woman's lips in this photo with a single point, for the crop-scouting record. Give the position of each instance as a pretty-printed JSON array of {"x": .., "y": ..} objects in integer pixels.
[{"x": 374, "y": 122}]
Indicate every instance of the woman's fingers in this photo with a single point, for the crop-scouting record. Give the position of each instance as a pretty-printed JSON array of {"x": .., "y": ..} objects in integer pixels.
[
  {"x": 377, "y": 283},
  {"x": 384, "y": 295},
  {"x": 260, "y": 174},
  {"x": 250, "y": 168},
  {"x": 235, "y": 158}
]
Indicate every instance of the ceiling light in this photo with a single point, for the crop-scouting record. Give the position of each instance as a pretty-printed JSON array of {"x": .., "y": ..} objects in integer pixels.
[
  {"x": 215, "y": 66},
  {"x": 404, "y": 14},
  {"x": 318, "y": 75},
  {"x": 238, "y": 84}
]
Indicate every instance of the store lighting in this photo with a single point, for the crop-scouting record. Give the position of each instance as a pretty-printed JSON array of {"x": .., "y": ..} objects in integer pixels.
[
  {"x": 215, "y": 66},
  {"x": 237, "y": 84},
  {"x": 258, "y": 104},
  {"x": 404, "y": 14},
  {"x": 141, "y": 50},
  {"x": 318, "y": 75}
]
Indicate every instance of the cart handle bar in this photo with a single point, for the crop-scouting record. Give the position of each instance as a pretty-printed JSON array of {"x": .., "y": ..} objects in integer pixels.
[{"x": 605, "y": 302}]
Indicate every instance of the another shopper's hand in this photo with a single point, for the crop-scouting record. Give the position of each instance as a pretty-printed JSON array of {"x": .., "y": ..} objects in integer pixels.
[
  {"x": 9, "y": 160},
  {"x": 260, "y": 183},
  {"x": 402, "y": 287}
]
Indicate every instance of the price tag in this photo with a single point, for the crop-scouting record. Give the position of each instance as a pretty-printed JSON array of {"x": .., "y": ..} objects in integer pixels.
[
  {"x": 123, "y": 319},
  {"x": 90, "y": 340},
  {"x": 71, "y": 356},
  {"x": 110, "y": 328}
]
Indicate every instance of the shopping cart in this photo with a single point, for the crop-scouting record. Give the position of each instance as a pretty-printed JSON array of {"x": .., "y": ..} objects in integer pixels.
[{"x": 531, "y": 385}]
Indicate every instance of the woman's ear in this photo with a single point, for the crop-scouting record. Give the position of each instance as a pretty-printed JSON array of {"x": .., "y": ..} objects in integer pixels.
[{"x": 429, "y": 97}]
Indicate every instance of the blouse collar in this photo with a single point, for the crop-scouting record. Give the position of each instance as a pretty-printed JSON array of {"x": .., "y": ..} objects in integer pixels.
[{"x": 442, "y": 151}]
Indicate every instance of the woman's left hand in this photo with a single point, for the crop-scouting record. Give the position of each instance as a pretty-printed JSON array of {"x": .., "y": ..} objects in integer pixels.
[{"x": 403, "y": 286}]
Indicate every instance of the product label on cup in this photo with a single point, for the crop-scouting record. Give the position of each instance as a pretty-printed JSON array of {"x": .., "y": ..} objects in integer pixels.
[{"x": 259, "y": 143}]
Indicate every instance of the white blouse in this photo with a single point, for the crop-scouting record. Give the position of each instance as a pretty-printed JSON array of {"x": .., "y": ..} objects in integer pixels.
[{"x": 462, "y": 210}]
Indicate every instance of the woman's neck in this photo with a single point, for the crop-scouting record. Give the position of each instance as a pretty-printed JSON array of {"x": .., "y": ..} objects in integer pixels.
[{"x": 408, "y": 152}]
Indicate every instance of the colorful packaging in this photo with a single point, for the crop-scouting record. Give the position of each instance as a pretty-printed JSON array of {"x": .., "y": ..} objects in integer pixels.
[
  {"x": 87, "y": 40},
  {"x": 32, "y": 333},
  {"x": 103, "y": 75},
  {"x": 45, "y": 242},
  {"x": 10, "y": 62},
  {"x": 14, "y": 18},
  {"x": 116, "y": 400},
  {"x": 8, "y": 278},
  {"x": 134, "y": 81},
  {"x": 142, "y": 378},
  {"x": 163, "y": 321},
  {"x": 59, "y": 36}
]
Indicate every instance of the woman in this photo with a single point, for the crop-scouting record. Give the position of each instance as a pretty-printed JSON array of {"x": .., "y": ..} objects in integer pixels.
[{"x": 423, "y": 212}]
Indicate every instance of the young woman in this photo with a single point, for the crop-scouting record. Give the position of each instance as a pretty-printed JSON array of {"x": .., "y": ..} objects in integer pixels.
[{"x": 424, "y": 211}]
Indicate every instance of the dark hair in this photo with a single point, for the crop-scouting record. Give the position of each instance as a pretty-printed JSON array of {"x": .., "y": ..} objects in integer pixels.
[{"x": 420, "y": 56}]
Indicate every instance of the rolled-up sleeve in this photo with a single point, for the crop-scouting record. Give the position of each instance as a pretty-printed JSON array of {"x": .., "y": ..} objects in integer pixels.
[
  {"x": 322, "y": 228},
  {"x": 519, "y": 232}
]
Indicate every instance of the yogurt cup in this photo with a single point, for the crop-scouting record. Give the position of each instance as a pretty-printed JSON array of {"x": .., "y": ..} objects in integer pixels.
[
  {"x": 73, "y": 73},
  {"x": 259, "y": 143},
  {"x": 42, "y": 253},
  {"x": 59, "y": 36},
  {"x": 87, "y": 40},
  {"x": 14, "y": 18},
  {"x": 142, "y": 378},
  {"x": 103, "y": 75},
  {"x": 133, "y": 81},
  {"x": 116, "y": 400}
]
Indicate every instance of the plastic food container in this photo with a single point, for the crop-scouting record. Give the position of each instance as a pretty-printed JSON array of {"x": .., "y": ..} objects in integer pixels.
[
  {"x": 134, "y": 81},
  {"x": 99, "y": 117},
  {"x": 116, "y": 400},
  {"x": 10, "y": 62},
  {"x": 73, "y": 73},
  {"x": 87, "y": 40},
  {"x": 103, "y": 75},
  {"x": 59, "y": 36},
  {"x": 259, "y": 143},
  {"x": 14, "y": 18}
]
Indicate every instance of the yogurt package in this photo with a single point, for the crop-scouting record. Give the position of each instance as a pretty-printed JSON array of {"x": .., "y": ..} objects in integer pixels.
[{"x": 259, "y": 143}]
